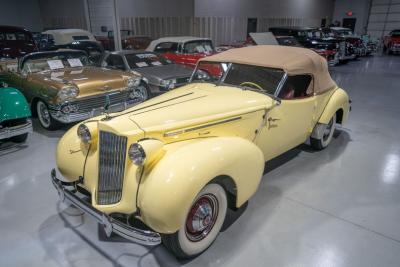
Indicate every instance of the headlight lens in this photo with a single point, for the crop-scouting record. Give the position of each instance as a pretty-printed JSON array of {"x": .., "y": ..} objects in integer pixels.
[
  {"x": 84, "y": 134},
  {"x": 168, "y": 84},
  {"x": 136, "y": 154},
  {"x": 133, "y": 82},
  {"x": 68, "y": 93}
]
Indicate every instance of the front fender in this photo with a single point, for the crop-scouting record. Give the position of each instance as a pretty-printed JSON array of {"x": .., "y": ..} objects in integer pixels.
[
  {"x": 169, "y": 188},
  {"x": 338, "y": 101},
  {"x": 13, "y": 105}
]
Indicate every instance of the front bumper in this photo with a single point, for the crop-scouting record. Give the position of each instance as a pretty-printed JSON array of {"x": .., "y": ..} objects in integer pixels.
[
  {"x": 62, "y": 117},
  {"x": 395, "y": 49},
  {"x": 111, "y": 225},
  {"x": 9, "y": 132}
]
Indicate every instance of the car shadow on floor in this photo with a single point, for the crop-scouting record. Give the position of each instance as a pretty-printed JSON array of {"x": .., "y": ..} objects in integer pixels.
[{"x": 120, "y": 252}]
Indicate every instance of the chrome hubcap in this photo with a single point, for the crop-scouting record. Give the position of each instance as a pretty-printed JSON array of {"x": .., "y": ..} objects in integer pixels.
[
  {"x": 328, "y": 130},
  {"x": 201, "y": 218},
  {"x": 44, "y": 114},
  {"x": 140, "y": 93}
]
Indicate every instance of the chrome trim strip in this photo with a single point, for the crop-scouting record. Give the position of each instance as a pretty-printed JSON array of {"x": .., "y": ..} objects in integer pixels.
[
  {"x": 9, "y": 132},
  {"x": 201, "y": 127},
  {"x": 140, "y": 236},
  {"x": 281, "y": 84}
]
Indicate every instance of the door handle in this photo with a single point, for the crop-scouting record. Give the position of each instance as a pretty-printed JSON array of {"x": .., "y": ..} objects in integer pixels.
[{"x": 273, "y": 119}]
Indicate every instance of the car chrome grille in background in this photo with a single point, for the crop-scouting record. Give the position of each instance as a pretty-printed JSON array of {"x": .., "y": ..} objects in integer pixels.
[
  {"x": 342, "y": 48},
  {"x": 112, "y": 156},
  {"x": 88, "y": 104}
]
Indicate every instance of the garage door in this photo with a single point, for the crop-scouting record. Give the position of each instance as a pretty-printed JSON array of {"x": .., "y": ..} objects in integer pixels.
[{"x": 384, "y": 16}]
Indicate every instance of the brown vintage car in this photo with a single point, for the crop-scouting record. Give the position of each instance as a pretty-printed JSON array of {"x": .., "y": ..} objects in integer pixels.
[
  {"x": 15, "y": 42},
  {"x": 129, "y": 41},
  {"x": 62, "y": 86}
]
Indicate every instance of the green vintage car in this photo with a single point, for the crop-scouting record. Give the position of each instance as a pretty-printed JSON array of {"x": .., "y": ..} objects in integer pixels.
[{"x": 15, "y": 123}]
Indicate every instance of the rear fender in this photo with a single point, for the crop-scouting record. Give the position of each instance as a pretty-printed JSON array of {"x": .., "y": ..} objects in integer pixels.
[
  {"x": 339, "y": 101},
  {"x": 168, "y": 189}
]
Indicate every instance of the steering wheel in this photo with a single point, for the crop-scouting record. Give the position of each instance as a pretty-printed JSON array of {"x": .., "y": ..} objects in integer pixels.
[{"x": 251, "y": 84}]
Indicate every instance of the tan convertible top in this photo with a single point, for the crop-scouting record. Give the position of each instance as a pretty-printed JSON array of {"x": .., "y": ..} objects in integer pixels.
[{"x": 293, "y": 60}]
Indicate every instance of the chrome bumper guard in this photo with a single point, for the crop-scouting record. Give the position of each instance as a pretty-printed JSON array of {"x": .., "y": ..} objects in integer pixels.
[
  {"x": 9, "y": 132},
  {"x": 80, "y": 116},
  {"x": 111, "y": 225}
]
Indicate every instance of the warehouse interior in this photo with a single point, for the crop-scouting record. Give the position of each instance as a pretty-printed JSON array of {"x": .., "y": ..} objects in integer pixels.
[{"x": 336, "y": 206}]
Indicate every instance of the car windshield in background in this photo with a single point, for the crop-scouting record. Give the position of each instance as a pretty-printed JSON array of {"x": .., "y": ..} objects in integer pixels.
[
  {"x": 396, "y": 34},
  {"x": 288, "y": 41},
  {"x": 194, "y": 47},
  {"x": 257, "y": 78},
  {"x": 145, "y": 60},
  {"x": 345, "y": 33},
  {"x": 14, "y": 36},
  {"x": 44, "y": 62}
]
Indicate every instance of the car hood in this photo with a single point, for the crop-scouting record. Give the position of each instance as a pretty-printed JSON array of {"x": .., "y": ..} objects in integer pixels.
[
  {"x": 89, "y": 80},
  {"x": 395, "y": 39},
  {"x": 165, "y": 72},
  {"x": 193, "y": 104}
]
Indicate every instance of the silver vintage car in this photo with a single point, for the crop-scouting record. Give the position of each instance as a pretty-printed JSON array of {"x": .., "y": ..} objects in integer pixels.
[{"x": 159, "y": 74}]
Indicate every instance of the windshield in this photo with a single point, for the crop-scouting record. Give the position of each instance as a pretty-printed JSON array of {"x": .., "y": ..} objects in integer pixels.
[
  {"x": 250, "y": 77},
  {"x": 345, "y": 33},
  {"x": 54, "y": 61},
  {"x": 144, "y": 60},
  {"x": 201, "y": 46},
  {"x": 15, "y": 36},
  {"x": 395, "y": 34}
]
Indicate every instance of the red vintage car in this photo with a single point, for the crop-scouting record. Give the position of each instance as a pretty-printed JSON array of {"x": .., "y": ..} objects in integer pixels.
[
  {"x": 15, "y": 42},
  {"x": 391, "y": 43},
  {"x": 129, "y": 41},
  {"x": 183, "y": 50}
]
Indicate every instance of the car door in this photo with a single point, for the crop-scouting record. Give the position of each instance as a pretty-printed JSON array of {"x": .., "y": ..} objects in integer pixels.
[{"x": 289, "y": 123}]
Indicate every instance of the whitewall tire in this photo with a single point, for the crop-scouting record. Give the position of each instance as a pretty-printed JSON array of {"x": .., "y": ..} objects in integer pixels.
[
  {"x": 327, "y": 136},
  {"x": 202, "y": 225},
  {"x": 45, "y": 119}
]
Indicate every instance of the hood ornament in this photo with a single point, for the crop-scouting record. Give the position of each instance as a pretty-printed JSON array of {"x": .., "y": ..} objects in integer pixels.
[{"x": 106, "y": 107}]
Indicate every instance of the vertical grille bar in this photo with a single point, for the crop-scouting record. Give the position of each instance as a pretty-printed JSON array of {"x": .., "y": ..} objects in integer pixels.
[{"x": 111, "y": 167}]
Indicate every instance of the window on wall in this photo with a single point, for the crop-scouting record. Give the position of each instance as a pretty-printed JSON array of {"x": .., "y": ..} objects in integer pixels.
[{"x": 297, "y": 86}]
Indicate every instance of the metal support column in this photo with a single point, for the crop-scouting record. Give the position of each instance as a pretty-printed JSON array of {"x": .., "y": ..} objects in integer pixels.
[{"x": 116, "y": 26}]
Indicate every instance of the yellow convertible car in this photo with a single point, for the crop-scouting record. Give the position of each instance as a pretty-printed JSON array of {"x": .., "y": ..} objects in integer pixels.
[{"x": 168, "y": 169}]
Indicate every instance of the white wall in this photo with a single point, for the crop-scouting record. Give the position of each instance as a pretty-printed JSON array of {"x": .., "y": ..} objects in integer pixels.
[
  {"x": 360, "y": 9},
  {"x": 261, "y": 8},
  {"x": 11, "y": 14},
  {"x": 156, "y": 8},
  {"x": 225, "y": 21},
  {"x": 63, "y": 14}
]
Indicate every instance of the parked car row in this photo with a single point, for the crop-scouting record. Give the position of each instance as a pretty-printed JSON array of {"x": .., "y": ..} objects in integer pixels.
[{"x": 122, "y": 164}]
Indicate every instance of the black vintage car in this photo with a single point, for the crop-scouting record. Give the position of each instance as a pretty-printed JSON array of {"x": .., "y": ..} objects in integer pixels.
[
  {"x": 360, "y": 48},
  {"x": 15, "y": 42},
  {"x": 76, "y": 39},
  {"x": 315, "y": 39}
]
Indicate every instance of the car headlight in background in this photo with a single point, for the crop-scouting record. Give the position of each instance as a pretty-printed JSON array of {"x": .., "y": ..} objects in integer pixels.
[
  {"x": 84, "y": 134},
  {"x": 133, "y": 82},
  {"x": 68, "y": 93},
  {"x": 168, "y": 84},
  {"x": 136, "y": 154}
]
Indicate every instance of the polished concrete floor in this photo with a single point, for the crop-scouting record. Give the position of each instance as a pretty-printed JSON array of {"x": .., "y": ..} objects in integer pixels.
[{"x": 337, "y": 207}]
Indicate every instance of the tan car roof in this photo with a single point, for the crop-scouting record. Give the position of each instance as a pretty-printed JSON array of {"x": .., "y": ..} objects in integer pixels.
[{"x": 293, "y": 60}]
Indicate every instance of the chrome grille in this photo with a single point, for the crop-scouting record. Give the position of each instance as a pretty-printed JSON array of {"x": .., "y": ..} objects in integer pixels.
[
  {"x": 88, "y": 104},
  {"x": 112, "y": 156}
]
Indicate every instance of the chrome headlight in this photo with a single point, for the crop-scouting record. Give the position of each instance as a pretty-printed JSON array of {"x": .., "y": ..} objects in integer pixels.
[
  {"x": 67, "y": 93},
  {"x": 133, "y": 82},
  {"x": 84, "y": 134},
  {"x": 168, "y": 84},
  {"x": 136, "y": 154}
]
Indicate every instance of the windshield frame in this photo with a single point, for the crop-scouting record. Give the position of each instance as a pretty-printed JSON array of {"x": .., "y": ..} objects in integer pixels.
[
  {"x": 223, "y": 76},
  {"x": 42, "y": 55}
]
